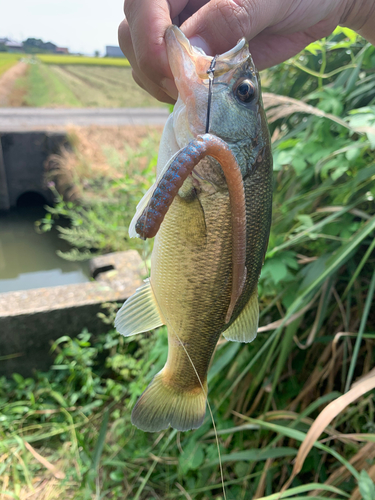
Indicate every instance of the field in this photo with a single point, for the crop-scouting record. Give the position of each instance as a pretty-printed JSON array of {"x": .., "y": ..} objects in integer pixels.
[
  {"x": 72, "y": 81},
  {"x": 82, "y": 60},
  {"x": 7, "y": 61}
]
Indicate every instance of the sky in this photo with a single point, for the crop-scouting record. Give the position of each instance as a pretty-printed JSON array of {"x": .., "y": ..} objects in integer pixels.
[{"x": 81, "y": 25}]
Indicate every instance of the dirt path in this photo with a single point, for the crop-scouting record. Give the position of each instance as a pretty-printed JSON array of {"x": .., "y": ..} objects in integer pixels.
[{"x": 7, "y": 81}]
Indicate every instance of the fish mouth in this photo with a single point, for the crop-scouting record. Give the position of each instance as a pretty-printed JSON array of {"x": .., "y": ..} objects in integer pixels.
[
  {"x": 182, "y": 56},
  {"x": 189, "y": 66}
]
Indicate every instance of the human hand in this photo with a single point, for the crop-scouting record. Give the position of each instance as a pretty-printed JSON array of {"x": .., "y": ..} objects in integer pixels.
[{"x": 276, "y": 30}]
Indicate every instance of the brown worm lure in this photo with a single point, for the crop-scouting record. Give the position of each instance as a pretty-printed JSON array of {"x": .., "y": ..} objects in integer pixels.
[{"x": 182, "y": 166}]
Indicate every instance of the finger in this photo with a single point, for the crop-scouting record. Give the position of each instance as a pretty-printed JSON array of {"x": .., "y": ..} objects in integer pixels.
[
  {"x": 268, "y": 50},
  {"x": 126, "y": 46},
  {"x": 221, "y": 23},
  {"x": 152, "y": 89},
  {"x": 125, "y": 41},
  {"x": 191, "y": 8},
  {"x": 148, "y": 20}
]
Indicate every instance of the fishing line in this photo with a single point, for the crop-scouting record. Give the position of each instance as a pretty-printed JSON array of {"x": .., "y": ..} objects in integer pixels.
[
  {"x": 201, "y": 384},
  {"x": 168, "y": 324},
  {"x": 211, "y": 74}
]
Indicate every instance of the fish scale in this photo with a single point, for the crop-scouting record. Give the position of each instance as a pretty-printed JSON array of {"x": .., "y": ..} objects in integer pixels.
[{"x": 211, "y": 265}]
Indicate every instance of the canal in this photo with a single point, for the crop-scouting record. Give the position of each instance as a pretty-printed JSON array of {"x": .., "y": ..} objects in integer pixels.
[{"x": 29, "y": 259}]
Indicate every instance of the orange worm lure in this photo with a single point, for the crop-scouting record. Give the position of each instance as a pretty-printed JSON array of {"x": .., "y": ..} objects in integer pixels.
[{"x": 182, "y": 166}]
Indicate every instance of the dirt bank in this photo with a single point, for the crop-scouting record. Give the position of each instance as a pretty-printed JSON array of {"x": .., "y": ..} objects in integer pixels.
[{"x": 8, "y": 94}]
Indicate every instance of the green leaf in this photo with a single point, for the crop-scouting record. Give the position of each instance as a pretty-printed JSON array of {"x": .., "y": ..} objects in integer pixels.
[
  {"x": 100, "y": 442},
  {"x": 353, "y": 153},
  {"x": 19, "y": 409},
  {"x": 117, "y": 475},
  {"x": 352, "y": 35},
  {"x": 300, "y": 436},
  {"x": 192, "y": 457},
  {"x": 299, "y": 165},
  {"x": 303, "y": 489},
  {"x": 366, "y": 486},
  {"x": 255, "y": 455},
  {"x": 338, "y": 258},
  {"x": 314, "y": 47},
  {"x": 306, "y": 221},
  {"x": 276, "y": 269},
  {"x": 230, "y": 350},
  {"x": 18, "y": 378}
]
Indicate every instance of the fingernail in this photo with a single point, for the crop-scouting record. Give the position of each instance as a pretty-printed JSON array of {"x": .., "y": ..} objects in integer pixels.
[
  {"x": 197, "y": 41},
  {"x": 169, "y": 87}
]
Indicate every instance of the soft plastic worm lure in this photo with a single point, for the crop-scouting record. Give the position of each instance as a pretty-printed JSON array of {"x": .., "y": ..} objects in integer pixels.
[{"x": 204, "y": 145}]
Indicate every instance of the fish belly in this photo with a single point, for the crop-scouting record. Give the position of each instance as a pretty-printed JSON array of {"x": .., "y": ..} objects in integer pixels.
[{"x": 191, "y": 278}]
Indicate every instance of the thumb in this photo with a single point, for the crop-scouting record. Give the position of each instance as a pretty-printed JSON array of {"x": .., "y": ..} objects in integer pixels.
[{"x": 219, "y": 24}]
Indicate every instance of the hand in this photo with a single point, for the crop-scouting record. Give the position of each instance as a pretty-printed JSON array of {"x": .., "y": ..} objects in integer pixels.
[{"x": 276, "y": 30}]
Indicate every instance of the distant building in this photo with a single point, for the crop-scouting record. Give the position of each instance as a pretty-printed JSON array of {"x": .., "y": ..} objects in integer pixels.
[
  {"x": 113, "y": 51},
  {"x": 32, "y": 46},
  {"x": 13, "y": 46},
  {"x": 49, "y": 46}
]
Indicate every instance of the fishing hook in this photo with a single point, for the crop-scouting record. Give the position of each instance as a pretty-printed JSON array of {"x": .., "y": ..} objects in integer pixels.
[{"x": 210, "y": 73}]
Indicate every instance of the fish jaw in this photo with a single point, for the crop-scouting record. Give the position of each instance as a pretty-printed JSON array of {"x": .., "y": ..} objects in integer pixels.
[{"x": 189, "y": 66}]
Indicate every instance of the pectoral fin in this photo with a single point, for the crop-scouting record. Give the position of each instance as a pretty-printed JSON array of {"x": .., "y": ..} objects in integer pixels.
[
  {"x": 140, "y": 313},
  {"x": 245, "y": 326}
]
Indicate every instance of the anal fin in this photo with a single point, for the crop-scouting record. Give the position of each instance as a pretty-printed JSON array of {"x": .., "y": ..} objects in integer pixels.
[
  {"x": 244, "y": 328},
  {"x": 140, "y": 313}
]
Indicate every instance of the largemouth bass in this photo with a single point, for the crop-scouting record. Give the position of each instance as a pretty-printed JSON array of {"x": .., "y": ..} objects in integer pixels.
[{"x": 204, "y": 267}]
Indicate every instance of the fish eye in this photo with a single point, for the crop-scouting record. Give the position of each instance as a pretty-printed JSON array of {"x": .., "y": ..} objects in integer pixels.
[{"x": 245, "y": 91}]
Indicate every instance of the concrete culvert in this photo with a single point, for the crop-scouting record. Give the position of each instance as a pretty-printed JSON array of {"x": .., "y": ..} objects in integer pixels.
[{"x": 31, "y": 199}]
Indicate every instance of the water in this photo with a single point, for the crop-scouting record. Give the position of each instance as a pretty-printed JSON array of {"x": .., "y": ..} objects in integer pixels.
[{"x": 28, "y": 259}]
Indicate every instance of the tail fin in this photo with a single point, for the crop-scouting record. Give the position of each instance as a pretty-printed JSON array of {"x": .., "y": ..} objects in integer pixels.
[{"x": 161, "y": 406}]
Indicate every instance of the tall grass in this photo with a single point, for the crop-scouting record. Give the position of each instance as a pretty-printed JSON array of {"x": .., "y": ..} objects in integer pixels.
[{"x": 316, "y": 335}]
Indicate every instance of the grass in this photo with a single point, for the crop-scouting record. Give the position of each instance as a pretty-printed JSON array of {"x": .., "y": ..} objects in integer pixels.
[
  {"x": 83, "y": 86},
  {"x": 82, "y": 60},
  {"x": 45, "y": 89},
  {"x": 7, "y": 61},
  {"x": 74, "y": 81},
  {"x": 316, "y": 335},
  {"x": 93, "y": 174}
]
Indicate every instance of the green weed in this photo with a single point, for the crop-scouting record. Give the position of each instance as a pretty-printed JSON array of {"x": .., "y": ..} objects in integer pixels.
[{"x": 100, "y": 222}]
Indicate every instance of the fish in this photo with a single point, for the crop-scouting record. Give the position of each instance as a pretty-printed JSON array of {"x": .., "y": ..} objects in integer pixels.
[{"x": 210, "y": 211}]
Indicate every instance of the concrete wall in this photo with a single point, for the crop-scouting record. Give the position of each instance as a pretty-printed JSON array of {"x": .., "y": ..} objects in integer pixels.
[
  {"x": 22, "y": 164},
  {"x": 4, "y": 196},
  {"x": 31, "y": 320}
]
